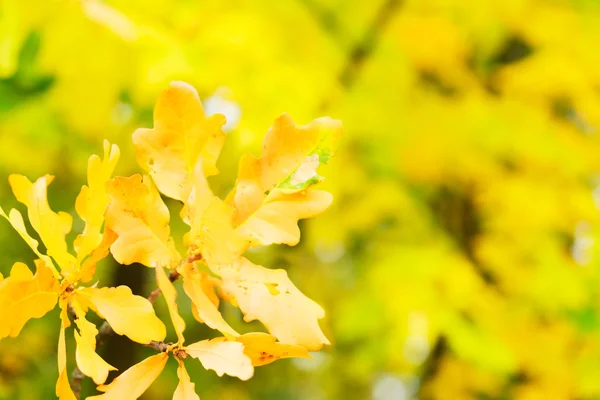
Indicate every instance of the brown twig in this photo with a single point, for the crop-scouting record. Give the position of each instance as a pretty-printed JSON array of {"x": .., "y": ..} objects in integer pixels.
[{"x": 76, "y": 380}]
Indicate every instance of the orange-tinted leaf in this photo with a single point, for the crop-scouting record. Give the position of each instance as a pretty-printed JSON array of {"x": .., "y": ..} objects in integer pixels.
[
  {"x": 140, "y": 218},
  {"x": 263, "y": 349},
  {"x": 182, "y": 134}
]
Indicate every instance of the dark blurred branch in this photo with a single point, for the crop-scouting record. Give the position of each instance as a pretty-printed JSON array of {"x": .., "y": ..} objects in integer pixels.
[
  {"x": 360, "y": 52},
  {"x": 327, "y": 21},
  {"x": 432, "y": 365},
  {"x": 364, "y": 48}
]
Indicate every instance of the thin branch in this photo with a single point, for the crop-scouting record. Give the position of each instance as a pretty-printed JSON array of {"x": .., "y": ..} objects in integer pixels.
[
  {"x": 363, "y": 49},
  {"x": 173, "y": 276}
]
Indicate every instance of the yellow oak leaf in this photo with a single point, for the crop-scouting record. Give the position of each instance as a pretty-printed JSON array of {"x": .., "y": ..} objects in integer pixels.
[
  {"x": 52, "y": 227},
  {"x": 24, "y": 296},
  {"x": 291, "y": 154},
  {"x": 92, "y": 201},
  {"x": 186, "y": 389},
  {"x": 196, "y": 285},
  {"x": 211, "y": 226},
  {"x": 132, "y": 383},
  {"x": 170, "y": 295},
  {"x": 263, "y": 349},
  {"x": 269, "y": 296},
  {"x": 182, "y": 135},
  {"x": 223, "y": 357},
  {"x": 16, "y": 220},
  {"x": 63, "y": 389},
  {"x": 88, "y": 361},
  {"x": 137, "y": 214},
  {"x": 276, "y": 220},
  {"x": 272, "y": 192},
  {"x": 127, "y": 314}
]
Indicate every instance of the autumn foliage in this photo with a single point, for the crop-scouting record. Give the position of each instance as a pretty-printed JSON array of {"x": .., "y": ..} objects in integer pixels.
[{"x": 127, "y": 217}]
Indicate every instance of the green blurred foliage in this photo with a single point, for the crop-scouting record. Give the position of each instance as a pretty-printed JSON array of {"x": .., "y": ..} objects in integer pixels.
[{"x": 459, "y": 260}]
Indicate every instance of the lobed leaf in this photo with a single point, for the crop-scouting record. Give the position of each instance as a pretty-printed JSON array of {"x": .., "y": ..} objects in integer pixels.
[
  {"x": 291, "y": 155},
  {"x": 223, "y": 357},
  {"x": 24, "y": 296},
  {"x": 270, "y": 297},
  {"x": 52, "y": 227},
  {"x": 276, "y": 220},
  {"x": 182, "y": 135},
  {"x": 92, "y": 201},
  {"x": 140, "y": 218},
  {"x": 273, "y": 192}
]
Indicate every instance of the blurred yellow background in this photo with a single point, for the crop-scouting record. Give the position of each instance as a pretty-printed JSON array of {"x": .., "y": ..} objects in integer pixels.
[{"x": 459, "y": 259}]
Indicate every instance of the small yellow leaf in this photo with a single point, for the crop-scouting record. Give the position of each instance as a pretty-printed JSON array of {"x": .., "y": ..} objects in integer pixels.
[
  {"x": 140, "y": 218},
  {"x": 182, "y": 134},
  {"x": 170, "y": 295},
  {"x": 132, "y": 383},
  {"x": 24, "y": 296},
  {"x": 88, "y": 361},
  {"x": 195, "y": 286},
  {"x": 63, "y": 389},
  {"x": 288, "y": 314},
  {"x": 276, "y": 220},
  {"x": 273, "y": 192},
  {"x": 127, "y": 314},
  {"x": 16, "y": 220},
  {"x": 93, "y": 200},
  {"x": 186, "y": 388},
  {"x": 223, "y": 357},
  {"x": 52, "y": 227},
  {"x": 263, "y": 349}
]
